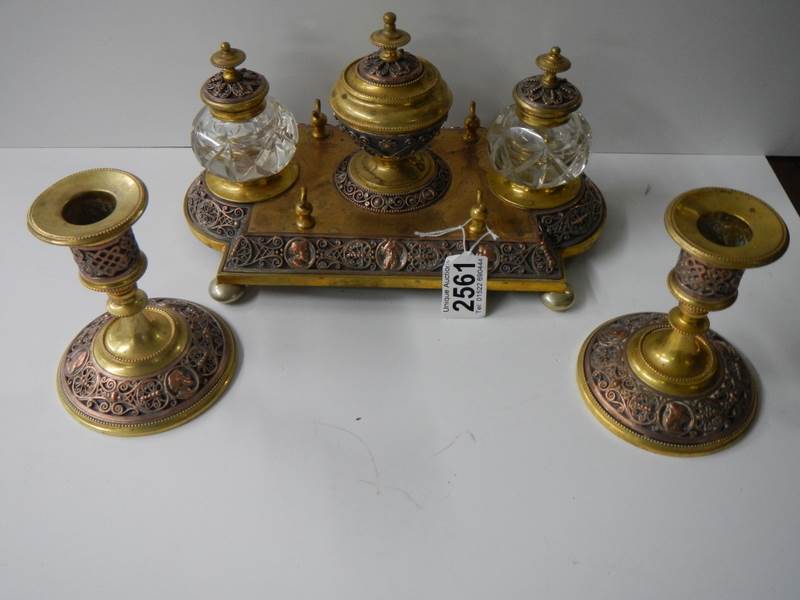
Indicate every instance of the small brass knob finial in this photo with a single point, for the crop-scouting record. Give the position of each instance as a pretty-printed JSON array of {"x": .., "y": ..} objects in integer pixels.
[
  {"x": 552, "y": 64},
  {"x": 471, "y": 125},
  {"x": 227, "y": 59},
  {"x": 389, "y": 39},
  {"x": 477, "y": 214},
  {"x": 319, "y": 120},
  {"x": 303, "y": 210},
  {"x": 233, "y": 94}
]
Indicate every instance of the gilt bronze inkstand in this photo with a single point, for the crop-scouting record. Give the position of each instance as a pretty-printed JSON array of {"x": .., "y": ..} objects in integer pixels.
[
  {"x": 666, "y": 382},
  {"x": 354, "y": 216},
  {"x": 147, "y": 365}
]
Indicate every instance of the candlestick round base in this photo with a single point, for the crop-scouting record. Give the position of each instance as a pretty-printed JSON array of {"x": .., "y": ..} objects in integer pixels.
[
  {"x": 155, "y": 401},
  {"x": 661, "y": 422}
]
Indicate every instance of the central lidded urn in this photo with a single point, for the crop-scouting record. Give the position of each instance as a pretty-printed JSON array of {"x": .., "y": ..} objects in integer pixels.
[{"x": 392, "y": 104}]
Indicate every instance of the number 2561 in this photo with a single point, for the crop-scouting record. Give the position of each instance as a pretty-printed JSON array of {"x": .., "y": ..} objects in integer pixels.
[{"x": 462, "y": 289}]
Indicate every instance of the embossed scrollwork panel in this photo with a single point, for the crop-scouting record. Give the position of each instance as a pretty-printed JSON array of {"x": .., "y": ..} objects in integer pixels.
[
  {"x": 578, "y": 220},
  {"x": 389, "y": 256},
  {"x": 216, "y": 218}
]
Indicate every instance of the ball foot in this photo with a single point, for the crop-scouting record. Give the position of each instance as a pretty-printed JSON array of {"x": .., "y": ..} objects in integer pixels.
[
  {"x": 558, "y": 301},
  {"x": 225, "y": 293}
]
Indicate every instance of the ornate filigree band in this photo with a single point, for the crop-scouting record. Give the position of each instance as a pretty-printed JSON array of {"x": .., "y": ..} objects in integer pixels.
[
  {"x": 389, "y": 256},
  {"x": 704, "y": 282},
  {"x": 110, "y": 261}
]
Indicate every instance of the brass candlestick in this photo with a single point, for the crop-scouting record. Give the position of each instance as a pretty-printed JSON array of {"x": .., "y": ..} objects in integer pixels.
[
  {"x": 147, "y": 365},
  {"x": 666, "y": 382}
]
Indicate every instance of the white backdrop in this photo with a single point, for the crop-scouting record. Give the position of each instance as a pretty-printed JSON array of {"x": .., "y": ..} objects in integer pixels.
[{"x": 705, "y": 76}]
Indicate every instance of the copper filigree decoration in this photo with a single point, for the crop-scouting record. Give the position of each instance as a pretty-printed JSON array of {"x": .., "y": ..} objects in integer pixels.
[
  {"x": 275, "y": 253},
  {"x": 672, "y": 420},
  {"x": 405, "y": 69},
  {"x": 216, "y": 218},
  {"x": 249, "y": 83},
  {"x": 428, "y": 194},
  {"x": 578, "y": 220},
  {"x": 532, "y": 90},
  {"x": 392, "y": 146},
  {"x": 127, "y": 402},
  {"x": 109, "y": 261},
  {"x": 706, "y": 282}
]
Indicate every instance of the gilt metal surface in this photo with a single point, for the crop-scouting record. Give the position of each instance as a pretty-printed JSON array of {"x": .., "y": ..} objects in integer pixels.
[{"x": 390, "y": 92}]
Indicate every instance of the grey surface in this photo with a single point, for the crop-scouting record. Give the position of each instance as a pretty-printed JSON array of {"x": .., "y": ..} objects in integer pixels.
[
  {"x": 685, "y": 76},
  {"x": 371, "y": 450}
]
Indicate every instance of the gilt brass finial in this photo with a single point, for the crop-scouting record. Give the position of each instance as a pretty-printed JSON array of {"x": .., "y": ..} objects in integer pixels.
[
  {"x": 471, "y": 125},
  {"x": 319, "y": 120},
  {"x": 546, "y": 100},
  {"x": 478, "y": 214},
  {"x": 233, "y": 94},
  {"x": 303, "y": 210},
  {"x": 227, "y": 59},
  {"x": 389, "y": 39},
  {"x": 552, "y": 64}
]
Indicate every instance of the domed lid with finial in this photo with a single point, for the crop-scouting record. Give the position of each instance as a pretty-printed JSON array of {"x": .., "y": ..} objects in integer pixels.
[
  {"x": 391, "y": 91},
  {"x": 233, "y": 94},
  {"x": 547, "y": 100}
]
